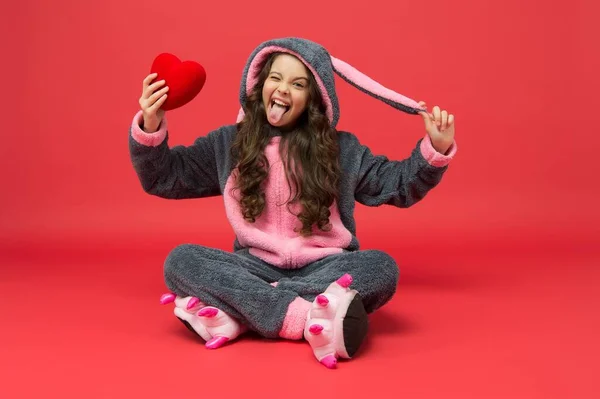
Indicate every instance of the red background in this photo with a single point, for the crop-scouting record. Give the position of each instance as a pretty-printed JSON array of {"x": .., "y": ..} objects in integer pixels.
[{"x": 498, "y": 263}]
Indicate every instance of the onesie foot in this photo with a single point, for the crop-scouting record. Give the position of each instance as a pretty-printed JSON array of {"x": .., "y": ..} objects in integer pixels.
[
  {"x": 211, "y": 324},
  {"x": 337, "y": 323}
]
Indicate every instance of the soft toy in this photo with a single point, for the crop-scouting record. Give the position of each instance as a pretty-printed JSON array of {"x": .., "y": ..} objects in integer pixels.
[{"x": 184, "y": 78}]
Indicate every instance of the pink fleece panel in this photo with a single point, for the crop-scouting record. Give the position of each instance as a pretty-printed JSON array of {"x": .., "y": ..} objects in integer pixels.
[
  {"x": 433, "y": 157},
  {"x": 272, "y": 237},
  {"x": 148, "y": 139},
  {"x": 372, "y": 86},
  {"x": 240, "y": 116},
  {"x": 295, "y": 319},
  {"x": 256, "y": 64}
]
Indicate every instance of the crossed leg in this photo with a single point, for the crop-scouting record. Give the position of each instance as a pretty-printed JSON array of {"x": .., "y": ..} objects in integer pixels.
[{"x": 244, "y": 292}]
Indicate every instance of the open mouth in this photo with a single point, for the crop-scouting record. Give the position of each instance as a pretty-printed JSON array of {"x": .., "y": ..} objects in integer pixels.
[
  {"x": 281, "y": 105},
  {"x": 277, "y": 109}
]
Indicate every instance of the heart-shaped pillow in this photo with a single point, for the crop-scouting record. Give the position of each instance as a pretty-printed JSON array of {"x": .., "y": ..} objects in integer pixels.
[{"x": 185, "y": 79}]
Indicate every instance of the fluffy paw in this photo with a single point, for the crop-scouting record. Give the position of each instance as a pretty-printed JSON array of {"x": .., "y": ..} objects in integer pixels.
[
  {"x": 193, "y": 323},
  {"x": 221, "y": 327},
  {"x": 213, "y": 325},
  {"x": 337, "y": 323}
]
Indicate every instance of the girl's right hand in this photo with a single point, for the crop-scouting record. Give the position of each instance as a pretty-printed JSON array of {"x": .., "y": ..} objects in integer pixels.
[{"x": 151, "y": 101}]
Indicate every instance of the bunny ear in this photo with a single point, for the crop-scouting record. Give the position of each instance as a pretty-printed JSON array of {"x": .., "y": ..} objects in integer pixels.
[{"x": 374, "y": 89}]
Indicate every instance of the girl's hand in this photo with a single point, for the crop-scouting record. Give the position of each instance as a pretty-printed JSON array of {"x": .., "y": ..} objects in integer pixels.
[
  {"x": 440, "y": 128},
  {"x": 151, "y": 101}
]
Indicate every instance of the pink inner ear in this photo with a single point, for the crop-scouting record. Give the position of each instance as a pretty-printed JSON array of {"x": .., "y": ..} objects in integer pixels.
[
  {"x": 262, "y": 55},
  {"x": 370, "y": 85}
]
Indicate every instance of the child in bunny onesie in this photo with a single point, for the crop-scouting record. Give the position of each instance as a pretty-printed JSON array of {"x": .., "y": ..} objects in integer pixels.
[{"x": 283, "y": 279}]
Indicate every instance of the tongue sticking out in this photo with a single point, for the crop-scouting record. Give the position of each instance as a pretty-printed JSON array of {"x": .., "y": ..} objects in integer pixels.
[{"x": 277, "y": 112}]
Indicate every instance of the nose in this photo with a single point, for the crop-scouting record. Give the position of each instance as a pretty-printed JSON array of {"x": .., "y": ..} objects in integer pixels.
[{"x": 283, "y": 87}]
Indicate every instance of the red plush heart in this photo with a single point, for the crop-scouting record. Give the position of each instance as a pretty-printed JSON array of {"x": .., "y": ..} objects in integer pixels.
[{"x": 185, "y": 79}]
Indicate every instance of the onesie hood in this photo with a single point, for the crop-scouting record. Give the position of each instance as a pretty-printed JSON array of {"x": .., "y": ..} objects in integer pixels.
[{"x": 324, "y": 67}]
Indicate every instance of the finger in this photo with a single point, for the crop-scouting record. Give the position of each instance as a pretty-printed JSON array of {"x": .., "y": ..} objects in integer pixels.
[
  {"x": 156, "y": 85},
  {"x": 147, "y": 103},
  {"x": 424, "y": 105},
  {"x": 153, "y": 87},
  {"x": 156, "y": 106},
  {"x": 149, "y": 79},
  {"x": 450, "y": 119},
  {"x": 444, "y": 119},
  {"x": 428, "y": 119},
  {"x": 436, "y": 115},
  {"x": 152, "y": 99}
]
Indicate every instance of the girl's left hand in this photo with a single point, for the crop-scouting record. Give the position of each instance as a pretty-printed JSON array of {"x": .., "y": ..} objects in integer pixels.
[{"x": 440, "y": 127}]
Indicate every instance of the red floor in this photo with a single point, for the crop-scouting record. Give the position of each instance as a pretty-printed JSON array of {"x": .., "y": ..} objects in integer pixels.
[{"x": 517, "y": 320}]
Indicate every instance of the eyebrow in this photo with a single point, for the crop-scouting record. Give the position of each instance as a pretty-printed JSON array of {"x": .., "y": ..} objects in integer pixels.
[{"x": 299, "y": 77}]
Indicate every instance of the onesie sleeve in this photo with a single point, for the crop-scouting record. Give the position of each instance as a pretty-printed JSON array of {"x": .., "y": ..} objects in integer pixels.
[
  {"x": 401, "y": 183},
  {"x": 174, "y": 173}
]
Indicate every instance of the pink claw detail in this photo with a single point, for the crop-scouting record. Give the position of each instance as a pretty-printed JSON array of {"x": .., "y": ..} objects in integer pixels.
[
  {"x": 208, "y": 312},
  {"x": 216, "y": 342},
  {"x": 167, "y": 298},
  {"x": 322, "y": 300},
  {"x": 315, "y": 329},
  {"x": 345, "y": 281},
  {"x": 329, "y": 361},
  {"x": 192, "y": 302}
]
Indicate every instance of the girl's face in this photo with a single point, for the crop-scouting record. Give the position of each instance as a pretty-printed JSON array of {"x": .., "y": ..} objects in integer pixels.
[{"x": 285, "y": 92}]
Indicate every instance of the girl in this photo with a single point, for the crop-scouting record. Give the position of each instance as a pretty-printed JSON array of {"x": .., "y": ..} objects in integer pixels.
[{"x": 289, "y": 181}]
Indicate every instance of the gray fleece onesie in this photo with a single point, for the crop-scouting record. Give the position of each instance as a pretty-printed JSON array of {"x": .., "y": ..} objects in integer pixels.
[{"x": 271, "y": 265}]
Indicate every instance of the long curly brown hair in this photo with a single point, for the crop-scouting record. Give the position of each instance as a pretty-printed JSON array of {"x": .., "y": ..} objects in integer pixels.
[{"x": 309, "y": 152}]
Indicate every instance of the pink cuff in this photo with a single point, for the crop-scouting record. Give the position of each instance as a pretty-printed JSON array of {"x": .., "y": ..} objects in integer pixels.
[
  {"x": 295, "y": 319},
  {"x": 149, "y": 139},
  {"x": 433, "y": 157}
]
